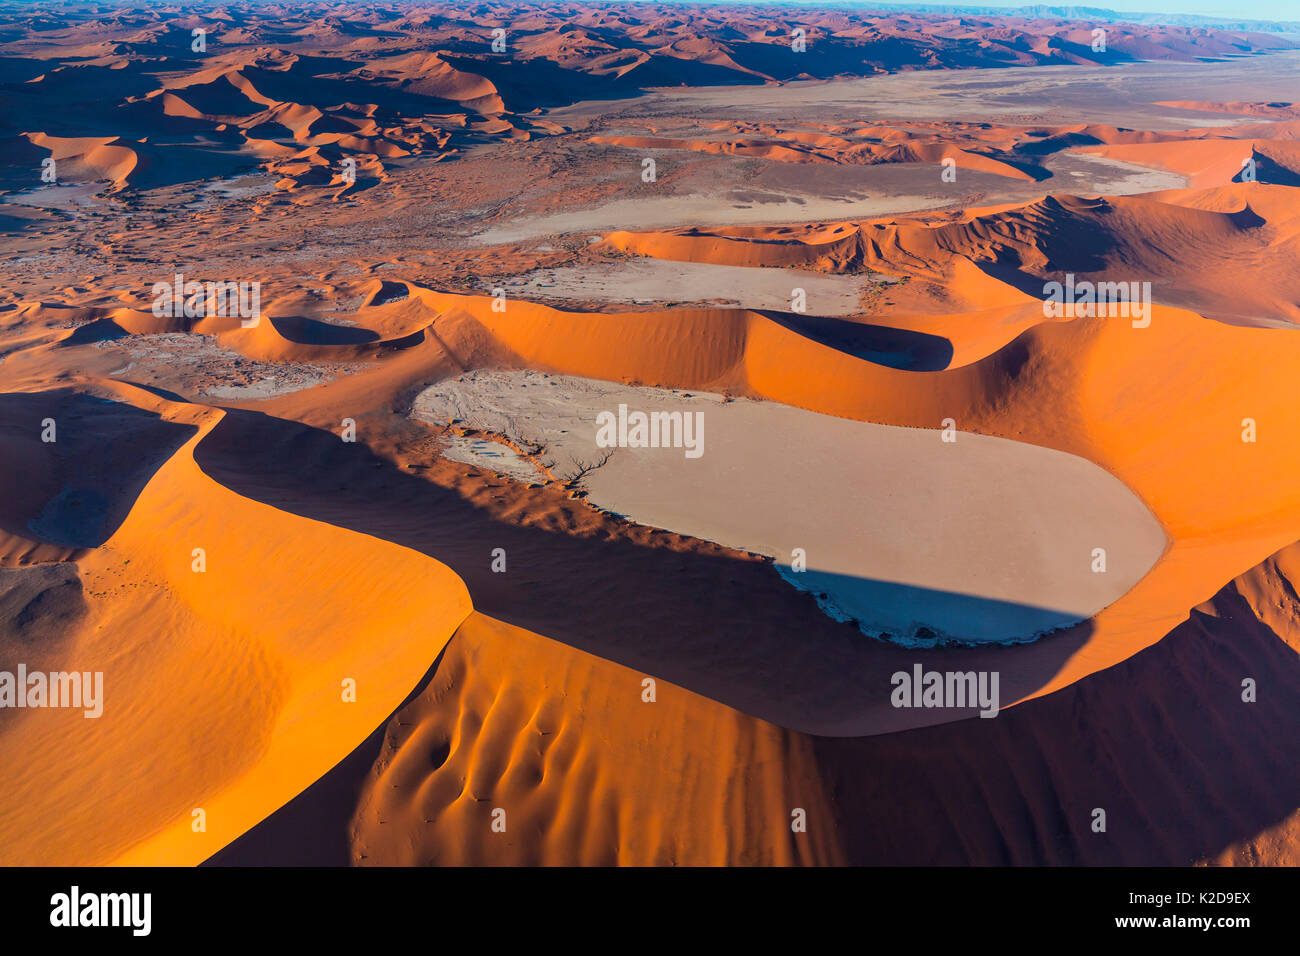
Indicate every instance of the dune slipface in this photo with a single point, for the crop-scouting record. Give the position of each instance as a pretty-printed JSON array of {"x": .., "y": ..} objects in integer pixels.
[
  {"x": 210, "y": 625},
  {"x": 659, "y": 434}
]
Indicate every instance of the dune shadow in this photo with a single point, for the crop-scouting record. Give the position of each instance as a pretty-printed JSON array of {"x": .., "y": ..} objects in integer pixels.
[
  {"x": 102, "y": 455},
  {"x": 895, "y": 348},
  {"x": 1270, "y": 170},
  {"x": 100, "y": 330},
  {"x": 389, "y": 292},
  {"x": 16, "y": 224},
  {"x": 721, "y": 625},
  {"x": 1035, "y": 171},
  {"x": 361, "y": 186},
  {"x": 304, "y": 331},
  {"x": 917, "y": 616},
  {"x": 312, "y": 828},
  {"x": 1163, "y": 743},
  {"x": 1056, "y": 143},
  {"x": 39, "y": 606}
]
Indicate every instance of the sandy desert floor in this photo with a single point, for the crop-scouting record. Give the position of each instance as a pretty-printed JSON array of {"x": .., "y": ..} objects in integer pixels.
[{"x": 365, "y": 583}]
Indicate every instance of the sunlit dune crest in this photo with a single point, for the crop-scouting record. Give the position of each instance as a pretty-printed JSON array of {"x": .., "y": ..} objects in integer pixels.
[{"x": 554, "y": 435}]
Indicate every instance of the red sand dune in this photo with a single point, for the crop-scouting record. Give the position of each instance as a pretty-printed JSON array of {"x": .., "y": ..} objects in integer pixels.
[
  {"x": 318, "y": 82},
  {"x": 326, "y": 560}
]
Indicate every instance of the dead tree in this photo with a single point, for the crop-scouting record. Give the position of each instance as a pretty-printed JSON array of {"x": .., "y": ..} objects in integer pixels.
[{"x": 584, "y": 468}]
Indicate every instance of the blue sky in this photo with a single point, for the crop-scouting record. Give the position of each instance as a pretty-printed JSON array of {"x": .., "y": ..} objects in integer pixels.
[
  {"x": 1233, "y": 9},
  {"x": 1243, "y": 9}
]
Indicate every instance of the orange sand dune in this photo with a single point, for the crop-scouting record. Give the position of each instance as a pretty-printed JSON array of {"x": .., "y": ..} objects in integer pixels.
[
  {"x": 482, "y": 736},
  {"x": 1126, "y": 236},
  {"x": 781, "y": 152},
  {"x": 310, "y": 77},
  {"x": 1269, "y": 110},
  {"x": 1017, "y": 152},
  {"x": 1052, "y": 383},
  {"x": 1157, "y": 735},
  {"x": 322, "y": 560},
  {"x": 91, "y": 159},
  {"x": 1210, "y": 162},
  {"x": 223, "y": 687},
  {"x": 299, "y": 339},
  {"x": 1019, "y": 375},
  {"x": 431, "y": 75}
]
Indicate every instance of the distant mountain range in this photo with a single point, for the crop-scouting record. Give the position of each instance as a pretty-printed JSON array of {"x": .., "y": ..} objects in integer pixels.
[{"x": 1044, "y": 11}]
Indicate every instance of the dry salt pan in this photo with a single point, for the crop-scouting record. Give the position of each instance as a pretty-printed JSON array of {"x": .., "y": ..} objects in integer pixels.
[{"x": 917, "y": 536}]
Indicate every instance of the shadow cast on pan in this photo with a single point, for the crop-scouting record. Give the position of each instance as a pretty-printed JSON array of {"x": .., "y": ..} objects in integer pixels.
[
  {"x": 927, "y": 617},
  {"x": 1162, "y": 741},
  {"x": 724, "y": 628}
]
